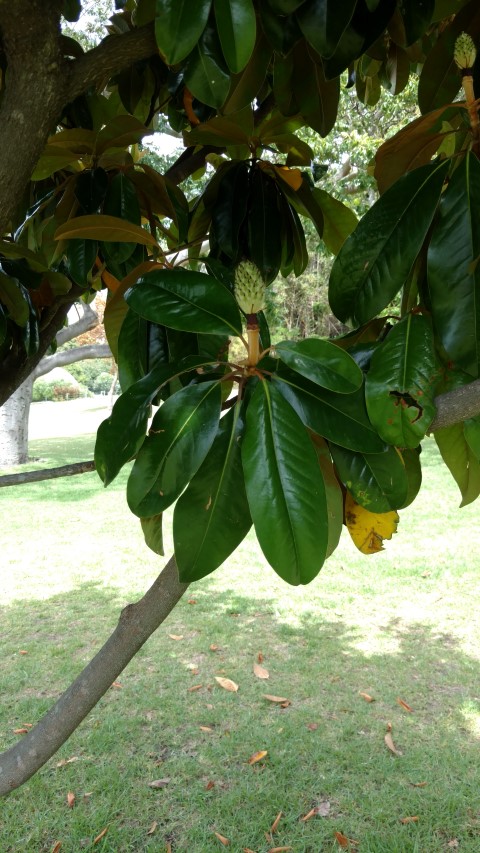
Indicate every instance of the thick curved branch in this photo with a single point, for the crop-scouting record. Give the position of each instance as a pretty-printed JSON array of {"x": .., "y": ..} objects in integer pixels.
[
  {"x": 71, "y": 356},
  {"x": 457, "y": 405},
  {"x": 111, "y": 56},
  {"x": 136, "y": 624}
]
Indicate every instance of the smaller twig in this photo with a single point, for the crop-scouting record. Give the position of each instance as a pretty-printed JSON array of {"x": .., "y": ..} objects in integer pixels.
[{"x": 46, "y": 474}]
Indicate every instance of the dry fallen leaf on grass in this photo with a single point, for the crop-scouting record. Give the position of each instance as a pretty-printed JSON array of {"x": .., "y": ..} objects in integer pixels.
[
  {"x": 366, "y": 696},
  {"x": 20, "y": 731},
  {"x": 214, "y": 647},
  {"x": 176, "y": 636},
  {"x": 168, "y": 848},
  {"x": 23, "y": 652},
  {"x": 100, "y": 835},
  {"x": 117, "y": 684},
  {"x": 226, "y": 683},
  {"x": 404, "y": 705},
  {"x": 159, "y": 783},
  {"x": 222, "y": 839},
  {"x": 206, "y": 729},
  {"x": 56, "y": 847},
  {"x": 413, "y": 819},
  {"x": 70, "y": 799},
  {"x": 248, "y": 850},
  {"x": 389, "y": 741},
  {"x": 209, "y": 785},
  {"x": 152, "y": 829},
  {"x": 260, "y": 671},
  {"x": 260, "y": 657},
  {"x": 345, "y": 842},
  {"x": 64, "y": 761},
  {"x": 192, "y": 601},
  {"x": 453, "y": 844},
  {"x": 275, "y": 823},
  {"x": 195, "y": 687},
  {"x": 280, "y": 699},
  {"x": 257, "y": 756},
  {"x": 312, "y": 727},
  {"x": 279, "y": 849},
  {"x": 419, "y": 784},
  {"x": 309, "y": 815}
]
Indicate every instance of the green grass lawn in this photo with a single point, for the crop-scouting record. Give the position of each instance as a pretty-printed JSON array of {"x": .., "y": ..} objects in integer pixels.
[{"x": 399, "y": 625}]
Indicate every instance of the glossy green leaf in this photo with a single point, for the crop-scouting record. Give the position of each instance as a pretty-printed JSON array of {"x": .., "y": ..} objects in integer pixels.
[
  {"x": 219, "y": 131},
  {"x": 377, "y": 481},
  {"x": 317, "y": 97},
  {"x": 81, "y": 256},
  {"x": 322, "y": 23},
  {"x": 453, "y": 258},
  {"x": 120, "y": 132},
  {"x": 185, "y": 300},
  {"x": 178, "y": 27},
  {"x": 413, "y": 470},
  {"x": 460, "y": 460},
  {"x": 333, "y": 492},
  {"x": 120, "y": 436},
  {"x": 471, "y": 431},
  {"x": 12, "y": 296},
  {"x": 53, "y": 159},
  {"x": 323, "y": 363},
  {"x": 338, "y": 220},
  {"x": 338, "y": 417},
  {"x": 205, "y": 77},
  {"x": 416, "y": 15},
  {"x": 264, "y": 225},
  {"x": 376, "y": 259},
  {"x": 230, "y": 210},
  {"x": 179, "y": 438},
  {"x": 153, "y": 533},
  {"x": 246, "y": 85},
  {"x": 212, "y": 516},
  {"x": 362, "y": 31},
  {"x": 236, "y": 26},
  {"x": 90, "y": 188},
  {"x": 400, "y": 384},
  {"x": 285, "y": 487},
  {"x": 121, "y": 201}
]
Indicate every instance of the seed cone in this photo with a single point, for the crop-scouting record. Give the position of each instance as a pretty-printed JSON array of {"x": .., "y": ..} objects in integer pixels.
[
  {"x": 465, "y": 52},
  {"x": 249, "y": 288}
]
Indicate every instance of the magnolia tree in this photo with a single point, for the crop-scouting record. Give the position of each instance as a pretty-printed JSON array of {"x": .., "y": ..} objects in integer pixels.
[{"x": 295, "y": 438}]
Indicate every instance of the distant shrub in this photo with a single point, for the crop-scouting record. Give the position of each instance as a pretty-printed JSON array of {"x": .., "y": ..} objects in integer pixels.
[
  {"x": 57, "y": 390},
  {"x": 102, "y": 383}
]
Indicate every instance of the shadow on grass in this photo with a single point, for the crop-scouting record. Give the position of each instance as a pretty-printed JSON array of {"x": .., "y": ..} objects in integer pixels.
[{"x": 326, "y": 745}]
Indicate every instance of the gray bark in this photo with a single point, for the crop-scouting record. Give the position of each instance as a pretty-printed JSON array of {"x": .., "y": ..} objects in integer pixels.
[{"x": 136, "y": 624}]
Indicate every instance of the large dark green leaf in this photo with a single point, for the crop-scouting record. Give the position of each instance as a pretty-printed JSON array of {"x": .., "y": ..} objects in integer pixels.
[
  {"x": 322, "y": 23},
  {"x": 323, "y": 363},
  {"x": 377, "y": 481},
  {"x": 236, "y": 25},
  {"x": 153, "y": 533},
  {"x": 120, "y": 436},
  {"x": 400, "y": 385},
  {"x": 333, "y": 492},
  {"x": 230, "y": 210},
  {"x": 185, "y": 300},
  {"x": 453, "y": 268},
  {"x": 179, "y": 438},
  {"x": 121, "y": 201},
  {"x": 90, "y": 188},
  {"x": 206, "y": 77},
  {"x": 212, "y": 516},
  {"x": 285, "y": 487},
  {"x": 338, "y": 417},
  {"x": 264, "y": 225},
  {"x": 413, "y": 470},
  {"x": 81, "y": 255},
  {"x": 365, "y": 27},
  {"x": 338, "y": 220},
  {"x": 461, "y": 461},
  {"x": 178, "y": 26},
  {"x": 416, "y": 15},
  {"x": 376, "y": 259},
  {"x": 316, "y": 97}
]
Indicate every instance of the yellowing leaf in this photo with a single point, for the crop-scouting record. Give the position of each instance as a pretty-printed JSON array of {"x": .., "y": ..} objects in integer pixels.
[
  {"x": 226, "y": 683},
  {"x": 260, "y": 671},
  {"x": 257, "y": 756},
  {"x": 369, "y": 529},
  {"x": 99, "y": 226},
  {"x": 292, "y": 177}
]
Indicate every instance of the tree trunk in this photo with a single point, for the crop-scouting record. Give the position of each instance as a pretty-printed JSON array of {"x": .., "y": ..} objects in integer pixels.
[
  {"x": 136, "y": 624},
  {"x": 14, "y": 425}
]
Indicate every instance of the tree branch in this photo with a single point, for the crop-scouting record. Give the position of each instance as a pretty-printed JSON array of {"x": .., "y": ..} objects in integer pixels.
[
  {"x": 456, "y": 406},
  {"x": 136, "y": 624},
  {"x": 46, "y": 474},
  {"x": 89, "y": 320},
  {"x": 71, "y": 356},
  {"x": 112, "y": 55}
]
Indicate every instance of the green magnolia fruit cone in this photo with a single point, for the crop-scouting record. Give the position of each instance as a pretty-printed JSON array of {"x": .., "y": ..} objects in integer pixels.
[
  {"x": 249, "y": 288},
  {"x": 465, "y": 52}
]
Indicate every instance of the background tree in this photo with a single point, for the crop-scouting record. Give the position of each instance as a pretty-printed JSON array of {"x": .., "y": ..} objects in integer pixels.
[{"x": 291, "y": 438}]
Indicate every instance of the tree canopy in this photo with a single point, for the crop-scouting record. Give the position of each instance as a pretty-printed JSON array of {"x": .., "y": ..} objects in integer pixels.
[{"x": 295, "y": 437}]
